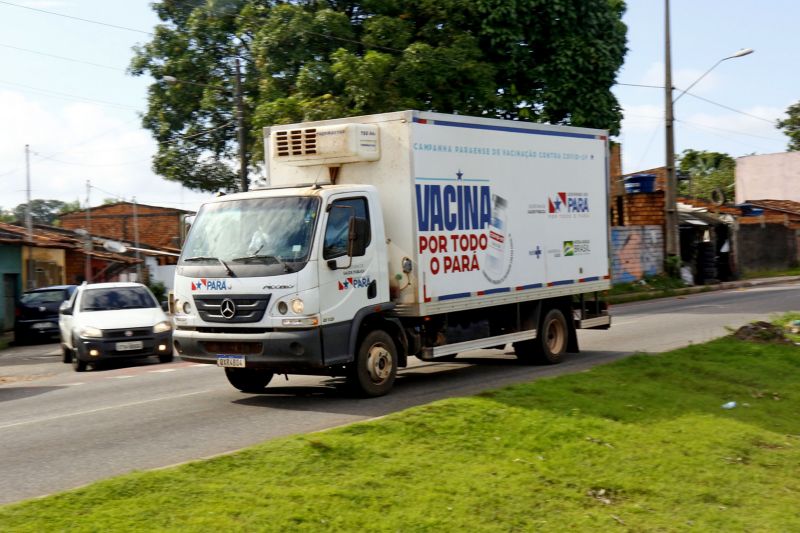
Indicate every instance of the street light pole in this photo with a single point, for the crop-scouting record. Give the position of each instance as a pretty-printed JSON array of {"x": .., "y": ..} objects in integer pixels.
[
  {"x": 241, "y": 132},
  {"x": 672, "y": 237}
]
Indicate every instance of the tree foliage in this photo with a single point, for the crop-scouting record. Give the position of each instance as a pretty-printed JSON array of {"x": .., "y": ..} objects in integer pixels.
[
  {"x": 45, "y": 211},
  {"x": 791, "y": 127},
  {"x": 708, "y": 172},
  {"x": 542, "y": 60}
]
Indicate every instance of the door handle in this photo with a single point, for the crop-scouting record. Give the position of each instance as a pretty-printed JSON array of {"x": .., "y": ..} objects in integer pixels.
[{"x": 372, "y": 289}]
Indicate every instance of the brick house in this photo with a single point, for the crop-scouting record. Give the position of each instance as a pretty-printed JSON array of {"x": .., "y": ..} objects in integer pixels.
[{"x": 158, "y": 226}]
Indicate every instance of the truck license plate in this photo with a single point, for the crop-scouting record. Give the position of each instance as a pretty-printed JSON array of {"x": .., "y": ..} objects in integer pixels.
[
  {"x": 231, "y": 361},
  {"x": 129, "y": 345}
]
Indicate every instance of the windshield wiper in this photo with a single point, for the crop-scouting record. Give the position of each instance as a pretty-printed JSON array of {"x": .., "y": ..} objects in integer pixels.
[
  {"x": 210, "y": 258},
  {"x": 275, "y": 258}
]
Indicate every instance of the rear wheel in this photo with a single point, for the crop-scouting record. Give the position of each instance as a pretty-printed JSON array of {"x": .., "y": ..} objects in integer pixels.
[
  {"x": 375, "y": 368},
  {"x": 248, "y": 379},
  {"x": 550, "y": 343}
]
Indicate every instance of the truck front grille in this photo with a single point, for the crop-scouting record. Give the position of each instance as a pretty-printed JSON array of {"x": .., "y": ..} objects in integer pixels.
[{"x": 246, "y": 308}]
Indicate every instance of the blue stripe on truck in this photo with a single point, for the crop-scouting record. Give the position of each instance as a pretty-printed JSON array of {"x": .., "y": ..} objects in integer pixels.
[{"x": 504, "y": 128}]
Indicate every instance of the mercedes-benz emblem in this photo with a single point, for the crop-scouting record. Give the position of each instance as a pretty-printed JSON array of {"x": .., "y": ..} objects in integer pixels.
[
  {"x": 128, "y": 333},
  {"x": 227, "y": 309}
]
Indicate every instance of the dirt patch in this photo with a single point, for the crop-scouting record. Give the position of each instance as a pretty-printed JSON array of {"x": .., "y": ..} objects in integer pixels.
[
  {"x": 762, "y": 332},
  {"x": 4, "y": 380}
]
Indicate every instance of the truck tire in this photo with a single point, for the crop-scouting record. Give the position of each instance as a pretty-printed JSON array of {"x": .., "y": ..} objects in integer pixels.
[
  {"x": 248, "y": 379},
  {"x": 375, "y": 368},
  {"x": 550, "y": 343}
]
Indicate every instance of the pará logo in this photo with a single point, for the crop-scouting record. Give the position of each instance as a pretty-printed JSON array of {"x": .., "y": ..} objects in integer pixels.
[
  {"x": 210, "y": 284},
  {"x": 568, "y": 202},
  {"x": 354, "y": 283}
]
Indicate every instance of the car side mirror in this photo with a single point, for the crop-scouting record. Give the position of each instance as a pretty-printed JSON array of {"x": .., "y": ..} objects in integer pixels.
[
  {"x": 64, "y": 309},
  {"x": 165, "y": 305}
]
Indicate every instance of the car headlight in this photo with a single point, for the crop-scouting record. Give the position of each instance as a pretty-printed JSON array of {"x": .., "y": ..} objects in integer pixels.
[
  {"x": 297, "y": 306},
  {"x": 91, "y": 332},
  {"x": 161, "y": 327}
]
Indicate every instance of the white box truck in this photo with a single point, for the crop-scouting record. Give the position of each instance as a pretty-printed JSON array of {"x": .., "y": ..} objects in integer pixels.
[{"x": 395, "y": 235}]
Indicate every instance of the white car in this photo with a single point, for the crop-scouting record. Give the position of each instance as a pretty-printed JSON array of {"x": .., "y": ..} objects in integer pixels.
[{"x": 105, "y": 321}]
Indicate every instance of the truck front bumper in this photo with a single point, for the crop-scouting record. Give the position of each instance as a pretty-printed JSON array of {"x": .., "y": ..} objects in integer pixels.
[{"x": 281, "y": 351}]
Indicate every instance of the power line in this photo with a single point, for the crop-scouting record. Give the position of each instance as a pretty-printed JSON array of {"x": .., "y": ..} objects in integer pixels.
[
  {"x": 48, "y": 92},
  {"x": 76, "y": 18},
  {"x": 60, "y": 57},
  {"x": 731, "y": 108},
  {"x": 640, "y": 85},
  {"x": 697, "y": 124}
]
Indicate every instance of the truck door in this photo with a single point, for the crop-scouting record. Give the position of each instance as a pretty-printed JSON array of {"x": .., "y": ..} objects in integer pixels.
[{"x": 351, "y": 284}]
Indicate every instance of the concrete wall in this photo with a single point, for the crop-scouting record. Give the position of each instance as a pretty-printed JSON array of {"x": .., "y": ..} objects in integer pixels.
[
  {"x": 766, "y": 247},
  {"x": 768, "y": 177},
  {"x": 636, "y": 251}
]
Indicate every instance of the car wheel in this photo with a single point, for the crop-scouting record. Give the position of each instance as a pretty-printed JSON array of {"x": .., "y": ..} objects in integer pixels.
[
  {"x": 248, "y": 379},
  {"x": 375, "y": 368},
  {"x": 66, "y": 353},
  {"x": 77, "y": 364}
]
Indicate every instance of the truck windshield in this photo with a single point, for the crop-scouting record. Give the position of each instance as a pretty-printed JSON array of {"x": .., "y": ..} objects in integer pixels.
[{"x": 259, "y": 230}]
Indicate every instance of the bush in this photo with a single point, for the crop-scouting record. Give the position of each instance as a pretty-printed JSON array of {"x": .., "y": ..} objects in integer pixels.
[{"x": 159, "y": 290}]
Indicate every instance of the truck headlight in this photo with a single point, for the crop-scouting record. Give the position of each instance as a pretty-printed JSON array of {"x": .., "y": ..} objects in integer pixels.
[
  {"x": 297, "y": 306},
  {"x": 161, "y": 327},
  {"x": 91, "y": 332}
]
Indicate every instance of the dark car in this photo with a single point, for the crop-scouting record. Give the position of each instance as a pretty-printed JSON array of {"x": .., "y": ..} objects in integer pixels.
[{"x": 36, "y": 315}]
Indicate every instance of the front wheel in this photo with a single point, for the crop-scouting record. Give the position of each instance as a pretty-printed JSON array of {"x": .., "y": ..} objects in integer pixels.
[
  {"x": 375, "y": 368},
  {"x": 66, "y": 354},
  {"x": 249, "y": 380}
]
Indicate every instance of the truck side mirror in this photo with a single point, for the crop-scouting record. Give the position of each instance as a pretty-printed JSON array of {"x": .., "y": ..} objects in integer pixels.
[
  {"x": 358, "y": 237},
  {"x": 64, "y": 309}
]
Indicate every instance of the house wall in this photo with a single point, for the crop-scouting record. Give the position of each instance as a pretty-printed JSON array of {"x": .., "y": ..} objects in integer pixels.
[
  {"x": 770, "y": 176},
  {"x": 766, "y": 247},
  {"x": 158, "y": 226},
  {"x": 11, "y": 286},
  {"x": 636, "y": 252},
  {"x": 48, "y": 266}
]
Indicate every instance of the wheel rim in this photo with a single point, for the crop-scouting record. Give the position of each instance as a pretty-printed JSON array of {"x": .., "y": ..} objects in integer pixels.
[
  {"x": 379, "y": 363},
  {"x": 556, "y": 336}
]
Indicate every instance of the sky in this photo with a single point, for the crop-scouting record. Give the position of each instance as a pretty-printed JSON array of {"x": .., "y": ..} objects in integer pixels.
[{"x": 65, "y": 93}]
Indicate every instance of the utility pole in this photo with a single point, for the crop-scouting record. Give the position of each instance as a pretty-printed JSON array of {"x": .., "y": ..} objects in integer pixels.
[
  {"x": 87, "y": 270},
  {"x": 672, "y": 237},
  {"x": 136, "y": 241},
  {"x": 29, "y": 221},
  {"x": 240, "y": 132}
]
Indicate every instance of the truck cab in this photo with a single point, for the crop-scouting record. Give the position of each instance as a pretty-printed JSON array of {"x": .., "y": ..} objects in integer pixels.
[{"x": 276, "y": 279}]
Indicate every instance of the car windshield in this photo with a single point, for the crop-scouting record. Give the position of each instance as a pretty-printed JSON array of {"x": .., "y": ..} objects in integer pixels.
[
  {"x": 43, "y": 297},
  {"x": 270, "y": 230},
  {"x": 117, "y": 298}
]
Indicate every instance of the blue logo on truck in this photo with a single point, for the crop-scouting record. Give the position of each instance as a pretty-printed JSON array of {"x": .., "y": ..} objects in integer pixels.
[{"x": 453, "y": 207}]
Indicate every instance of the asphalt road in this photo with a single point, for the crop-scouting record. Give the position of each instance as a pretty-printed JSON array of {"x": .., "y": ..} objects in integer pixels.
[{"x": 60, "y": 429}]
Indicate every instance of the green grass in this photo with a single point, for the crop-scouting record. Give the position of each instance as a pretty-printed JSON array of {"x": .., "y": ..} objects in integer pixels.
[
  {"x": 639, "y": 445},
  {"x": 753, "y": 274},
  {"x": 647, "y": 284}
]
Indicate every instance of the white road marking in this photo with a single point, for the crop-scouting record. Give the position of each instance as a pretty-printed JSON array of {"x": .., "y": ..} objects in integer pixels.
[
  {"x": 163, "y": 370},
  {"x": 99, "y": 409},
  {"x": 76, "y": 383},
  {"x": 120, "y": 377}
]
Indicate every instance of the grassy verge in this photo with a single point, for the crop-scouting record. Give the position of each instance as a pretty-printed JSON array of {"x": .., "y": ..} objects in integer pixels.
[
  {"x": 753, "y": 274},
  {"x": 642, "y": 444}
]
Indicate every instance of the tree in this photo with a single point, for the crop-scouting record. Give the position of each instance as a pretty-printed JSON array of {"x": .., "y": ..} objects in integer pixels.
[
  {"x": 791, "y": 127},
  {"x": 708, "y": 172},
  {"x": 45, "y": 211},
  {"x": 543, "y": 60}
]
